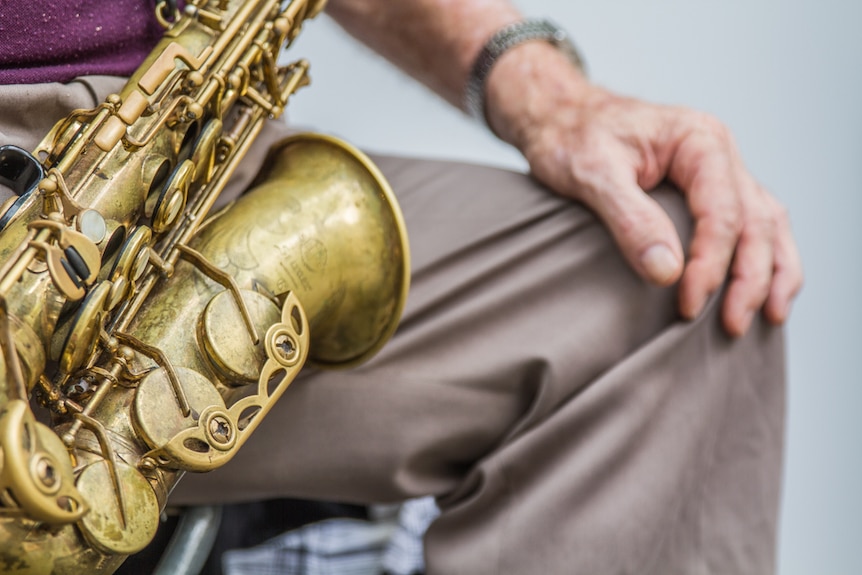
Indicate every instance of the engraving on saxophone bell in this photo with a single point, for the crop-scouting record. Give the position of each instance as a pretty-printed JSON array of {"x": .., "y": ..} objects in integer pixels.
[
  {"x": 299, "y": 274},
  {"x": 313, "y": 254}
]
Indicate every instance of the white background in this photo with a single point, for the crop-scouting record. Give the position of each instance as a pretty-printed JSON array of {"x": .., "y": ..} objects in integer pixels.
[{"x": 787, "y": 78}]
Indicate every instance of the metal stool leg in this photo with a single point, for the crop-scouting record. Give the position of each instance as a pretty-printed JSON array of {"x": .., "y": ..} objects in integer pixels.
[{"x": 192, "y": 541}]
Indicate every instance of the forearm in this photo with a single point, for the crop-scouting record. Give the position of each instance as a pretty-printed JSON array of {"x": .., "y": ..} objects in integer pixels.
[
  {"x": 437, "y": 41},
  {"x": 434, "y": 41}
]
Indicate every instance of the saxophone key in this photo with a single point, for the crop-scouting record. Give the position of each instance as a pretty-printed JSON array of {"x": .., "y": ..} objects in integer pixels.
[
  {"x": 172, "y": 200},
  {"x": 35, "y": 470},
  {"x": 121, "y": 522},
  {"x": 81, "y": 340},
  {"x": 236, "y": 360},
  {"x": 158, "y": 419}
]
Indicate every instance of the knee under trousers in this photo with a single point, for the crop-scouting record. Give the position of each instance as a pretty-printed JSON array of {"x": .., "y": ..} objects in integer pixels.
[{"x": 566, "y": 418}]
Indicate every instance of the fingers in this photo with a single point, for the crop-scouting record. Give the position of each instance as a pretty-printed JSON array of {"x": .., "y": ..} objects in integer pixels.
[
  {"x": 767, "y": 270},
  {"x": 597, "y": 168},
  {"x": 752, "y": 272},
  {"x": 704, "y": 169},
  {"x": 787, "y": 275},
  {"x": 741, "y": 233},
  {"x": 642, "y": 230},
  {"x": 608, "y": 156}
]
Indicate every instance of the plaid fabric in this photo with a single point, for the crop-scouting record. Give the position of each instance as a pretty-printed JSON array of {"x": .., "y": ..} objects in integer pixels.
[
  {"x": 342, "y": 547},
  {"x": 404, "y": 553}
]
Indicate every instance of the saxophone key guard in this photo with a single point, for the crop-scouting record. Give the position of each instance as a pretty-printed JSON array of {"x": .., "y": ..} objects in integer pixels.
[
  {"x": 212, "y": 434},
  {"x": 44, "y": 486}
]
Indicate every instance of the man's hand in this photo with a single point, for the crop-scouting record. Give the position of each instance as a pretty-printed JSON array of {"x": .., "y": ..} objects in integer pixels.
[{"x": 605, "y": 151}]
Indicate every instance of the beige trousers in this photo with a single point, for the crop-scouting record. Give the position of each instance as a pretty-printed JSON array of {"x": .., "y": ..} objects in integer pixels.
[{"x": 567, "y": 419}]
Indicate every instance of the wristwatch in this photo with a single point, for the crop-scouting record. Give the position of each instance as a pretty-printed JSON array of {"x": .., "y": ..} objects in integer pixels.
[{"x": 505, "y": 39}]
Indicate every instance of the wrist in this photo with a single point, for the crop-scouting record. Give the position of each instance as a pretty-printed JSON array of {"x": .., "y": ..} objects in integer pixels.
[{"x": 530, "y": 85}]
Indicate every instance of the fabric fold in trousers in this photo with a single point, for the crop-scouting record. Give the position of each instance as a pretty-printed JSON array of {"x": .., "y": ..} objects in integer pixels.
[{"x": 564, "y": 415}]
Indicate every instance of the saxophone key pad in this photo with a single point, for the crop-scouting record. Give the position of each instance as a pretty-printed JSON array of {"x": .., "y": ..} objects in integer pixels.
[
  {"x": 230, "y": 351},
  {"x": 157, "y": 416},
  {"x": 81, "y": 340},
  {"x": 121, "y": 522},
  {"x": 93, "y": 225},
  {"x": 130, "y": 264}
]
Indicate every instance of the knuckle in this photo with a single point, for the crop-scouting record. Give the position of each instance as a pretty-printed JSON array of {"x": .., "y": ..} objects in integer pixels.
[
  {"x": 627, "y": 224},
  {"x": 636, "y": 228},
  {"x": 728, "y": 223},
  {"x": 762, "y": 225},
  {"x": 760, "y": 283},
  {"x": 776, "y": 210},
  {"x": 586, "y": 171},
  {"x": 780, "y": 215},
  {"x": 756, "y": 283},
  {"x": 712, "y": 126}
]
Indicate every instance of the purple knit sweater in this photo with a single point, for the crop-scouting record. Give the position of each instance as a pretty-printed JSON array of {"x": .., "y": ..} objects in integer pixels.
[{"x": 59, "y": 40}]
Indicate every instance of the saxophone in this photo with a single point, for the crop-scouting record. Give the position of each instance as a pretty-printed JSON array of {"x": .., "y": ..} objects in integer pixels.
[{"x": 144, "y": 334}]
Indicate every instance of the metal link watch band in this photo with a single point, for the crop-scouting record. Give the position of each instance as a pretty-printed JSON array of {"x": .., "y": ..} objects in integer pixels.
[{"x": 505, "y": 39}]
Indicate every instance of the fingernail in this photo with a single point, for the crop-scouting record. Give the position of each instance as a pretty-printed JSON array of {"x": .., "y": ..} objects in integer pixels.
[{"x": 660, "y": 263}]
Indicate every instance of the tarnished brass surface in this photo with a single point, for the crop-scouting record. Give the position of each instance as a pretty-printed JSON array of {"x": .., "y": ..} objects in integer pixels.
[
  {"x": 155, "y": 336},
  {"x": 345, "y": 224},
  {"x": 237, "y": 360}
]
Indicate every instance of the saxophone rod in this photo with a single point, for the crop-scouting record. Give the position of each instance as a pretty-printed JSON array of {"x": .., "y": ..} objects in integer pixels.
[{"x": 217, "y": 184}]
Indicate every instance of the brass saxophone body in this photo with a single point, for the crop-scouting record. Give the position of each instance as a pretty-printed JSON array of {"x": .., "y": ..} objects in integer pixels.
[{"x": 156, "y": 334}]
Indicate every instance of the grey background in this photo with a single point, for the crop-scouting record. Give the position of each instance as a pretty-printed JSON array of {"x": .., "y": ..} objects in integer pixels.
[{"x": 785, "y": 76}]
